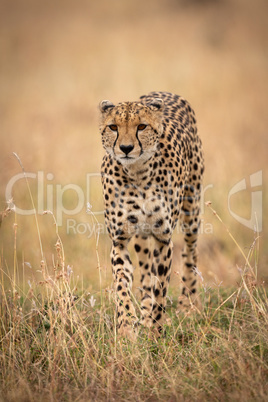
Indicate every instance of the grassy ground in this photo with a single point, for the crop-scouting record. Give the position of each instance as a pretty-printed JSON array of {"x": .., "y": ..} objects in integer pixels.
[
  {"x": 57, "y": 62},
  {"x": 60, "y": 344}
]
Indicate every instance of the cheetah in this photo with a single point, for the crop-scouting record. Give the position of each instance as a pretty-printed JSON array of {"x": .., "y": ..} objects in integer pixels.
[{"x": 151, "y": 178}]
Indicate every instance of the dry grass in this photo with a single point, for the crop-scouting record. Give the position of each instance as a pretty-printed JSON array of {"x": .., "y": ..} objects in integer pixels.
[
  {"x": 57, "y": 62},
  {"x": 60, "y": 343}
]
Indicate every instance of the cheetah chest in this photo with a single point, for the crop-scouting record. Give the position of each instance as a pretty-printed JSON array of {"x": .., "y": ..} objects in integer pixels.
[{"x": 140, "y": 210}]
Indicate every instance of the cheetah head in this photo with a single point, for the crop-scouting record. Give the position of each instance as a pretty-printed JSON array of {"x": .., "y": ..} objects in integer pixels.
[{"x": 131, "y": 130}]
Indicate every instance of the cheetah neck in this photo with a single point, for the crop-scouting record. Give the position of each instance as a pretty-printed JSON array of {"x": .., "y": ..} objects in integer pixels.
[{"x": 137, "y": 171}]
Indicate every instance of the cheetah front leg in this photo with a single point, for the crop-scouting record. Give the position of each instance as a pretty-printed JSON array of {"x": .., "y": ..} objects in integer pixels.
[
  {"x": 123, "y": 277},
  {"x": 142, "y": 247},
  {"x": 155, "y": 266},
  {"x": 161, "y": 270}
]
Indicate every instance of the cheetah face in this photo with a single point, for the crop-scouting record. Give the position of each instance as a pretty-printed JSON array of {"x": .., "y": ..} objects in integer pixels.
[{"x": 131, "y": 130}]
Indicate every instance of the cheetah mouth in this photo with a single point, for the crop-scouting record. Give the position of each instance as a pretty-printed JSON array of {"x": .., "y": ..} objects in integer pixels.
[{"x": 127, "y": 158}]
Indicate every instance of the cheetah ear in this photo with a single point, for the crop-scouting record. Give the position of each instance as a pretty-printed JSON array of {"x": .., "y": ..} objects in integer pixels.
[
  {"x": 105, "y": 105},
  {"x": 156, "y": 104}
]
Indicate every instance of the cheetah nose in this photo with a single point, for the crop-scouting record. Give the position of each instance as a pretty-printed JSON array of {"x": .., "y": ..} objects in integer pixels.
[{"x": 126, "y": 148}]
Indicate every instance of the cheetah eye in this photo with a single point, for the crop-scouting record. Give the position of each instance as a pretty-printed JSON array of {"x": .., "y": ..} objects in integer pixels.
[
  {"x": 113, "y": 127},
  {"x": 141, "y": 127}
]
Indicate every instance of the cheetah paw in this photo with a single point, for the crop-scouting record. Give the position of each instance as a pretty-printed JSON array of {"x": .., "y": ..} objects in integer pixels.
[{"x": 188, "y": 305}]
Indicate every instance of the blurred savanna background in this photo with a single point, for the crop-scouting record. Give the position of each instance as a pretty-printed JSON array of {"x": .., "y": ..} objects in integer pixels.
[{"x": 60, "y": 59}]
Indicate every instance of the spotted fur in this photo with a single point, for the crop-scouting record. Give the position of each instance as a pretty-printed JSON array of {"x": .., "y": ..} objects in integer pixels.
[{"x": 151, "y": 176}]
